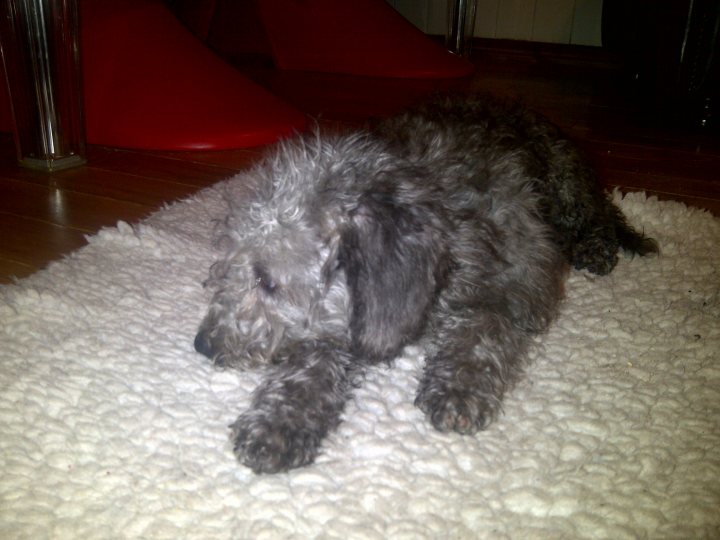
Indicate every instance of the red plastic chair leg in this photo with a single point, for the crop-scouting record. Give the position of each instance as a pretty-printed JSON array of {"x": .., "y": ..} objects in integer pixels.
[
  {"x": 148, "y": 83},
  {"x": 357, "y": 37}
]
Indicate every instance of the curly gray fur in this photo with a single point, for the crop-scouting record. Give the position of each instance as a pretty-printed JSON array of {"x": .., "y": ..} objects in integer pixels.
[{"x": 449, "y": 226}]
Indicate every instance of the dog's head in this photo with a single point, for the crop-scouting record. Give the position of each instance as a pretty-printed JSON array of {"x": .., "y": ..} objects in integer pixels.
[{"x": 334, "y": 243}]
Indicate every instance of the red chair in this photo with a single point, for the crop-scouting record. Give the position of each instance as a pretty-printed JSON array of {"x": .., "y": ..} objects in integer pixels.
[
  {"x": 148, "y": 83},
  {"x": 356, "y": 37}
]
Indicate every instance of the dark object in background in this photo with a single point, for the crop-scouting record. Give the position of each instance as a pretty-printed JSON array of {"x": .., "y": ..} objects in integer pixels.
[
  {"x": 671, "y": 49},
  {"x": 41, "y": 60}
]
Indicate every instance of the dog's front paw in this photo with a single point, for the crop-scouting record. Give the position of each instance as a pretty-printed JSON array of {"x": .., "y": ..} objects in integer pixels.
[
  {"x": 268, "y": 446},
  {"x": 457, "y": 409}
]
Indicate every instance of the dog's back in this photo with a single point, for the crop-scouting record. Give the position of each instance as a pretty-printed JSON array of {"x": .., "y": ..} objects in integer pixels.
[{"x": 488, "y": 138}]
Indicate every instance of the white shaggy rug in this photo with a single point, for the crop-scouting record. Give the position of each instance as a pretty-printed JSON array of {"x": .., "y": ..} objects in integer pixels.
[{"x": 113, "y": 427}]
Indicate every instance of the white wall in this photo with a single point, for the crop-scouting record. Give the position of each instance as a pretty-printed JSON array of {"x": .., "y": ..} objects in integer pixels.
[{"x": 553, "y": 21}]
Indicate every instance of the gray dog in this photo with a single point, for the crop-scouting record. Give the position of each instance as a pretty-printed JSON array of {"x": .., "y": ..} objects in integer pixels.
[{"x": 450, "y": 226}]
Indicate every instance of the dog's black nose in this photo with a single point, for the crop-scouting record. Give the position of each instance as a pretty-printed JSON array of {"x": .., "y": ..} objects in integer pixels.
[{"x": 203, "y": 346}]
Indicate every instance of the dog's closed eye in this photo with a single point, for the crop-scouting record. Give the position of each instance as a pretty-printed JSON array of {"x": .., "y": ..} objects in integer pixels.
[{"x": 263, "y": 279}]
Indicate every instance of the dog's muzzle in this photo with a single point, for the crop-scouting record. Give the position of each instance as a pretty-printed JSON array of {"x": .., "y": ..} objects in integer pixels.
[{"x": 202, "y": 345}]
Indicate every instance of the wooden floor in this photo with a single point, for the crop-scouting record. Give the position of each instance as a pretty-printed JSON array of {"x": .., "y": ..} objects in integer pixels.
[{"x": 43, "y": 216}]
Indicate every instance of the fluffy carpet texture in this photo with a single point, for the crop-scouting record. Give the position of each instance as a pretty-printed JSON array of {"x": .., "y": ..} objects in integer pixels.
[{"x": 113, "y": 427}]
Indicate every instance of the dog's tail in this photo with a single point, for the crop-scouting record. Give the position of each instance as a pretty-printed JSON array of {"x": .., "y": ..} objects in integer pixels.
[{"x": 631, "y": 240}]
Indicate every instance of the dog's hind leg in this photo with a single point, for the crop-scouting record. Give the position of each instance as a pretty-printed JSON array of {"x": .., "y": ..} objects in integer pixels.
[
  {"x": 589, "y": 228},
  {"x": 294, "y": 409}
]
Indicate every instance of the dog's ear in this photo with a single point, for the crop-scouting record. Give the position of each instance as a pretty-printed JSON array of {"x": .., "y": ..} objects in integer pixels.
[{"x": 395, "y": 260}]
